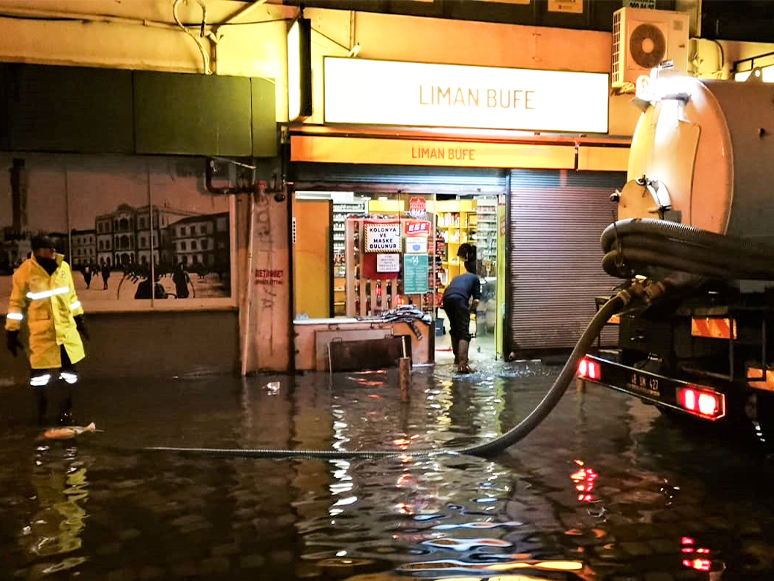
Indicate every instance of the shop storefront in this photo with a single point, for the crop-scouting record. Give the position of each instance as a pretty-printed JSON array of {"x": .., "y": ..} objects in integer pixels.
[{"x": 379, "y": 214}]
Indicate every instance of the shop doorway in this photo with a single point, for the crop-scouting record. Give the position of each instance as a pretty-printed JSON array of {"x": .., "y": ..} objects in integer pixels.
[
  {"x": 364, "y": 254},
  {"x": 475, "y": 220}
]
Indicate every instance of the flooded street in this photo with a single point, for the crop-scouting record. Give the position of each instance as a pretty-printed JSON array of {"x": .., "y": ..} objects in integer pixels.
[{"x": 605, "y": 488}]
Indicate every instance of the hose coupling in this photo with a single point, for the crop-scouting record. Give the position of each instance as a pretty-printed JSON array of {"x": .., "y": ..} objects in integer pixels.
[
  {"x": 644, "y": 291},
  {"x": 625, "y": 296},
  {"x": 654, "y": 292}
]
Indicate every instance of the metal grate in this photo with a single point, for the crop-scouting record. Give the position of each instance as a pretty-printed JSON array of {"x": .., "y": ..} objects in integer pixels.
[
  {"x": 555, "y": 261},
  {"x": 616, "y": 66}
]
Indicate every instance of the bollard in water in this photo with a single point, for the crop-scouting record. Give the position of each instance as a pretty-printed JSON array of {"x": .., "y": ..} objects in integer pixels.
[{"x": 405, "y": 378}]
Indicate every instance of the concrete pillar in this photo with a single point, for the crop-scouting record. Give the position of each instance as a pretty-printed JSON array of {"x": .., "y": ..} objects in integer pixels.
[{"x": 265, "y": 289}]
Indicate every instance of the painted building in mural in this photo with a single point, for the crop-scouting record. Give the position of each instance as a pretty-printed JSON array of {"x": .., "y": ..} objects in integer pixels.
[
  {"x": 83, "y": 245},
  {"x": 131, "y": 235},
  {"x": 14, "y": 248},
  {"x": 104, "y": 240},
  {"x": 201, "y": 243},
  {"x": 151, "y": 235}
]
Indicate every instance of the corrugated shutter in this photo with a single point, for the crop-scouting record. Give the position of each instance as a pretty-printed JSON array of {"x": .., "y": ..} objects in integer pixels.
[
  {"x": 391, "y": 178},
  {"x": 555, "y": 266}
]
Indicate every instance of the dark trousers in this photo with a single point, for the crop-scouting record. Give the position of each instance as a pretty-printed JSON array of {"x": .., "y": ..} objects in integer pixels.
[
  {"x": 62, "y": 379},
  {"x": 457, "y": 309}
]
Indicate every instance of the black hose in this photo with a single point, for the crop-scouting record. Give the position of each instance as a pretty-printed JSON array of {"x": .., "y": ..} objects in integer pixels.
[
  {"x": 518, "y": 432},
  {"x": 725, "y": 259},
  {"x": 638, "y": 246},
  {"x": 630, "y": 261},
  {"x": 683, "y": 233}
]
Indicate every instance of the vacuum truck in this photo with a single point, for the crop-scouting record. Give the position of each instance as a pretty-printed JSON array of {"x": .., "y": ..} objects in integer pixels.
[{"x": 695, "y": 234}]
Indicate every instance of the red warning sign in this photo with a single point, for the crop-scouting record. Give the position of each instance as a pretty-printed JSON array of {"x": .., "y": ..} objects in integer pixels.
[{"x": 416, "y": 228}]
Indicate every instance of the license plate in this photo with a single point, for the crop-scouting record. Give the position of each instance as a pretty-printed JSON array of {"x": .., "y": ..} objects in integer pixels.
[{"x": 644, "y": 384}]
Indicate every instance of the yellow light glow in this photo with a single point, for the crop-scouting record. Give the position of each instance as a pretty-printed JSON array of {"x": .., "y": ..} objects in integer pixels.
[
  {"x": 294, "y": 71},
  {"x": 298, "y": 63},
  {"x": 766, "y": 75}
]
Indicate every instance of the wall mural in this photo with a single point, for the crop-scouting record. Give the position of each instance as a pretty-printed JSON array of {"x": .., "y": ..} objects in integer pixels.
[{"x": 132, "y": 228}]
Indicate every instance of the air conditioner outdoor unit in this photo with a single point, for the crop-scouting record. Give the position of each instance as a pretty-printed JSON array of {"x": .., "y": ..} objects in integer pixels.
[{"x": 643, "y": 39}]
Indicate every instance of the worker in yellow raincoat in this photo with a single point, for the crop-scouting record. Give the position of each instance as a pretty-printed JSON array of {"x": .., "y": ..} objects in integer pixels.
[{"x": 44, "y": 294}]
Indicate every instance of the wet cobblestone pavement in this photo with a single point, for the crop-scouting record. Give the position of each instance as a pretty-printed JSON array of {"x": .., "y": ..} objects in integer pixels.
[{"x": 606, "y": 488}]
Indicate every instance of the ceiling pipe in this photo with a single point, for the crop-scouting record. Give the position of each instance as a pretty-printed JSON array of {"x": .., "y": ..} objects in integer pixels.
[{"x": 199, "y": 44}]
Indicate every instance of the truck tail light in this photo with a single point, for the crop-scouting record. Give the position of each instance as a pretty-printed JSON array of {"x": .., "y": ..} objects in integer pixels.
[
  {"x": 702, "y": 402},
  {"x": 589, "y": 369}
]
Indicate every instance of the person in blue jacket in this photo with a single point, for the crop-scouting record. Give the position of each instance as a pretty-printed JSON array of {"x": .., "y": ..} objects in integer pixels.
[{"x": 457, "y": 305}]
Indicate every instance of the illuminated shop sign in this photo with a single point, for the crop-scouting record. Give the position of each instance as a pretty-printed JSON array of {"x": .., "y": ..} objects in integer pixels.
[
  {"x": 433, "y": 95},
  {"x": 437, "y": 153}
]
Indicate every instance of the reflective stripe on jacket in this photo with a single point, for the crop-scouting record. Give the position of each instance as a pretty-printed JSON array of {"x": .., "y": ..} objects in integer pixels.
[{"x": 51, "y": 305}]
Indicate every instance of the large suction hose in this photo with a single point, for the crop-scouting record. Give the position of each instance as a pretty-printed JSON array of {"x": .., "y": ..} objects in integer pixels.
[
  {"x": 518, "y": 432},
  {"x": 637, "y": 246}
]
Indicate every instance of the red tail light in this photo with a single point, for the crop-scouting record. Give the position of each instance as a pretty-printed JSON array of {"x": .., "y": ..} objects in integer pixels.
[
  {"x": 589, "y": 369},
  {"x": 702, "y": 402}
]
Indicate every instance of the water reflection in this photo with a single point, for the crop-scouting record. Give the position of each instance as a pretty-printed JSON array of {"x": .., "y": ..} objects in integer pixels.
[
  {"x": 59, "y": 479},
  {"x": 605, "y": 489},
  {"x": 584, "y": 479}
]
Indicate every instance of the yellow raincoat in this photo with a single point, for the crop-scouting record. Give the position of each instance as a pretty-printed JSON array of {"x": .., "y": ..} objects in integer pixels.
[{"x": 51, "y": 304}]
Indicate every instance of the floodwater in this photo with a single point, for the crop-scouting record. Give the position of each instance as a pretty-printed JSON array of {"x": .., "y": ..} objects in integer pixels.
[{"x": 605, "y": 488}]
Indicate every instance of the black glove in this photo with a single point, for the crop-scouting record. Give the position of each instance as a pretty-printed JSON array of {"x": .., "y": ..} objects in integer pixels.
[
  {"x": 12, "y": 342},
  {"x": 81, "y": 326}
]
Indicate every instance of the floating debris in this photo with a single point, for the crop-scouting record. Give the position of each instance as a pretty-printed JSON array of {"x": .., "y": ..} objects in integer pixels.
[
  {"x": 272, "y": 387},
  {"x": 69, "y": 432}
]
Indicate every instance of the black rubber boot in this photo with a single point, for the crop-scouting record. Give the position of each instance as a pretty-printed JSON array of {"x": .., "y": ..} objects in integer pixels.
[
  {"x": 42, "y": 400},
  {"x": 66, "y": 408}
]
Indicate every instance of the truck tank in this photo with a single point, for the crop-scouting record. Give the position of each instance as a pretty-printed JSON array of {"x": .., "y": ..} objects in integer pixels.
[{"x": 706, "y": 151}]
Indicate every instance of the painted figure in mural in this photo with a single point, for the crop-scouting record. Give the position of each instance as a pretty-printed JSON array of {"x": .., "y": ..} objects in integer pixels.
[
  {"x": 457, "y": 305},
  {"x": 181, "y": 279},
  {"x": 105, "y": 272},
  {"x": 144, "y": 289},
  {"x": 43, "y": 288},
  {"x": 87, "y": 274}
]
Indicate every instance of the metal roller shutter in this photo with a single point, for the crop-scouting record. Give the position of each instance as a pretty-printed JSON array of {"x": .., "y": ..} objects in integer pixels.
[
  {"x": 391, "y": 178},
  {"x": 555, "y": 266}
]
